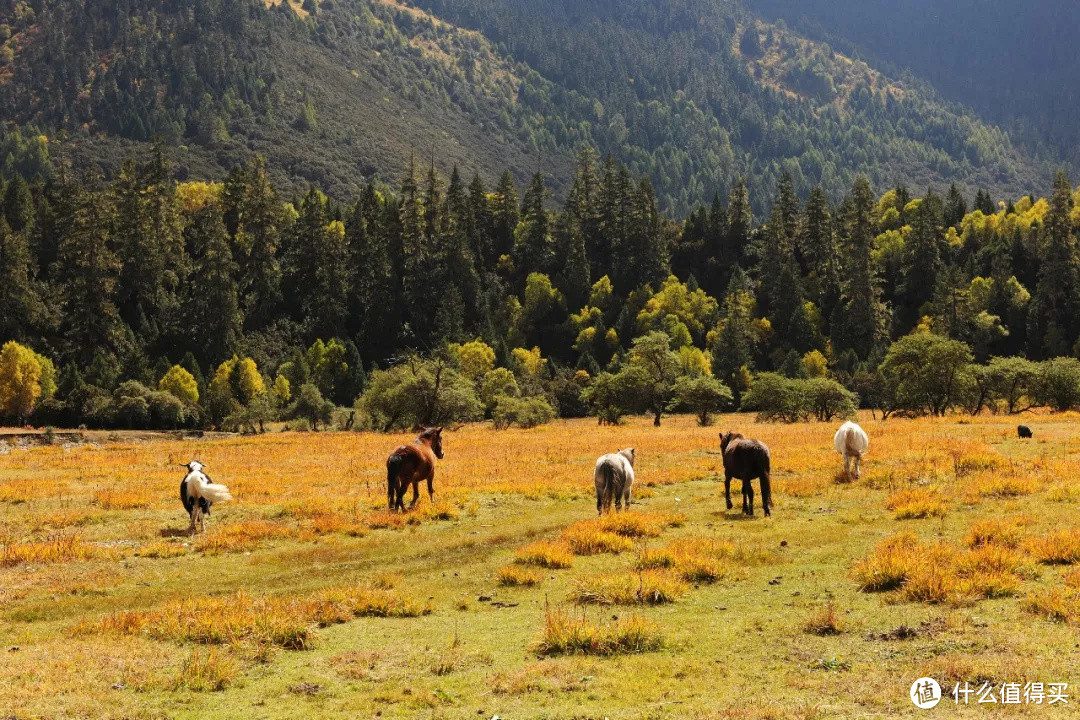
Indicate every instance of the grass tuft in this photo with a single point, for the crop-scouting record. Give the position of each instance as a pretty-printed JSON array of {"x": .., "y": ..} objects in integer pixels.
[
  {"x": 518, "y": 576},
  {"x": 1061, "y": 547},
  {"x": 212, "y": 671},
  {"x": 57, "y": 549},
  {"x": 544, "y": 553},
  {"x": 916, "y": 503},
  {"x": 648, "y": 587},
  {"x": 572, "y": 635},
  {"x": 824, "y": 621}
]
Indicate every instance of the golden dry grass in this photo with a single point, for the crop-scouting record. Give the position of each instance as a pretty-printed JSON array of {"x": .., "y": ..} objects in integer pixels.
[
  {"x": 565, "y": 633},
  {"x": 100, "y": 585}
]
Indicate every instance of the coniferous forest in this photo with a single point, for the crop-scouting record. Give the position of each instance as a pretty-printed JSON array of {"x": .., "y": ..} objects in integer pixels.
[
  {"x": 142, "y": 301},
  {"x": 379, "y": 213}
]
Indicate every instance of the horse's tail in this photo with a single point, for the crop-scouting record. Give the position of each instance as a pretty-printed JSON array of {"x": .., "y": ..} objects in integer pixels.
[
  {"x": 393, "y": 469},
  {"x": 216, "y": 492},
  {"x": 605, "y": 486}
]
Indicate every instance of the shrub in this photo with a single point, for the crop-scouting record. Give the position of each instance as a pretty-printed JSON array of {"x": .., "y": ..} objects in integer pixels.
[
  {"x": 776, "y": 397},
  {"x": 827, "y": 399},
  {"x": 417, "y": 392},
  {"x": 523, "y": 412},
  {"x": 310, "y": 406},
  {"x": 1057, "y": 383},
  {"x": 702, "y": 395}
]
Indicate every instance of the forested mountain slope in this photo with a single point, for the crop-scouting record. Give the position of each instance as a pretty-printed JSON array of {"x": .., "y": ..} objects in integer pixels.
[
  {"x": 692, "y": 93},
  {"x": 1015, "y": 64}
]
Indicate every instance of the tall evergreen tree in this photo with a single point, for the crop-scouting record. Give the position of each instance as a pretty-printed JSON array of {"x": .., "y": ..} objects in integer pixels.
[
  {"x": 255, "y": 220},
  {"x": 859, "y": 326},
  {"x": 955, "y": 207},
  {"x": 534, "y": 250},
  {"x": 212, "y": 300},
  {"x": 21, "y": 308},
  {"x": 1052, "y": 324},
  {"x": 88, "y": 271},
  {"x": 921, "y": 263}
]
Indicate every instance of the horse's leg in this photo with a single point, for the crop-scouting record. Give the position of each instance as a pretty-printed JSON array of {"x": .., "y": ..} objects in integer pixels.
[
  {"x": 748, "y": 497},
  {"x": 847, "y": 465},
  {"x": 391, "y": 494},
  {"x": 727, "y": 490},
  {"x": 415, "y": 492},
  {"x": 430, "y": 487},
  {"x": 399, "y": 495},
  {"x": 857, "y": 459},
  {"x": 191, "y": 514},
  {"x": 766, "y": 493}
]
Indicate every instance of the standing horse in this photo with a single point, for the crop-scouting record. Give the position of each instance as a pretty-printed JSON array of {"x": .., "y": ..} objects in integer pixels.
[
  {"x": 851, "y": 442},
  {"x": 410, "y": 464},
  {"x": 746, "y": 459},
  {"x": 613, "y": 477}
]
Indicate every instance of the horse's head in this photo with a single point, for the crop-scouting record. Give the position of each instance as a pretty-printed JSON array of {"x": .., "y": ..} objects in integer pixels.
[
  {"x": 726, "y": 438},
  {"x": 628, "y": 453},
  {"x": 193, "y": 466},
  {"x": 433, "y": 438}
]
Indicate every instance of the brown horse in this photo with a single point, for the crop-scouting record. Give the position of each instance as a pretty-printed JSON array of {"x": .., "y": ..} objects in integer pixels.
[
  {"x": 410, "y": 464},
  {"x": 746, "y": 459}
]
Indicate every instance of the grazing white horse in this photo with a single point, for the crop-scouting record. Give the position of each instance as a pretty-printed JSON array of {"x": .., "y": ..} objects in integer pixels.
[
  {"x": 851, "y": 442},
  {"x": 198, "y": 493},
  {"x": 613, "y": 477}
]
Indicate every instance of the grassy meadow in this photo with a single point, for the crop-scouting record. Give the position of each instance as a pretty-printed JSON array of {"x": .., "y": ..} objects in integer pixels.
[{"x": 956, "y": 556}]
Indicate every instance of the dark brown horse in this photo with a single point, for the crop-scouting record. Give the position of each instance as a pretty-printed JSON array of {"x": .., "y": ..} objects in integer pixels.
[
  {"x": 746, "y": 459},
  {"x": 410, "y": 464}
]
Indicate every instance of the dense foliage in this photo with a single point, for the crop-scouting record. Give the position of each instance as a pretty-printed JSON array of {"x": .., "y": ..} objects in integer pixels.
[{"x": 449, "y": 301}]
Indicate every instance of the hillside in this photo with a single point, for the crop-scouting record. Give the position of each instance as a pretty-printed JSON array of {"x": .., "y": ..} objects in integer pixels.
[
  {"x": 1016, "y": 66},
  {"x": 335, "y": 93}
]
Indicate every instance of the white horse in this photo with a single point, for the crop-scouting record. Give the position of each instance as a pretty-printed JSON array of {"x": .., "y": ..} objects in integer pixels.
[
  {"x": 613, "y": 477},
  {"x": 198, "y": 493},
  {"x": 851, "y": 442}
]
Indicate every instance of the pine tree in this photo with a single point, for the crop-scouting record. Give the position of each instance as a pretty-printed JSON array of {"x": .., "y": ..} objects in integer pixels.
[
  {"x": 505, "y": 215},
  {"x": 21, "y": 307},
  {"x": 255, "y": 221},
  {"x": 819, "y": 248},
  {"x": 1052, "y": 324},
  {"x": 643, "y": 255},
  {"x": 150, "y": 243},
  {"x": 573, "y": 278},
  {"x": 18, "y": 205},
  {"x": 534, "y": 250},
  {"x": 478, "y": 227},
  {"x": 984, "y": 203},
  {"x": 88, "y": 271},
  {"x": 739, "y": 221},
  {"x": 860, "y": 322},
  {"x": 733, "y": 350},
  {"x": 212, "y": 301},
  {"x": 372, "y": 278},
  {"x": 922, "y": 261},
  {"x": 955, "y": 207}
]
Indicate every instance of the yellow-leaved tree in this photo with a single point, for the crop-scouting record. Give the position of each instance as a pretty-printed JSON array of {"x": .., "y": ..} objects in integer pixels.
[
  {"x": 25, "y": 379},
  {"x": 181, "y": 384},
  {"x": 476, "y": 359}
]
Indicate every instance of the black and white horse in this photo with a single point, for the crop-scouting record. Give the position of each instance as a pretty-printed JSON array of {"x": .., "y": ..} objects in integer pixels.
[{"x": 198, "y": 493}]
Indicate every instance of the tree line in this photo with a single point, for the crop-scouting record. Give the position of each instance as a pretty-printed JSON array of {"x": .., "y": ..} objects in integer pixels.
[{"x": 138, "y": 287}]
